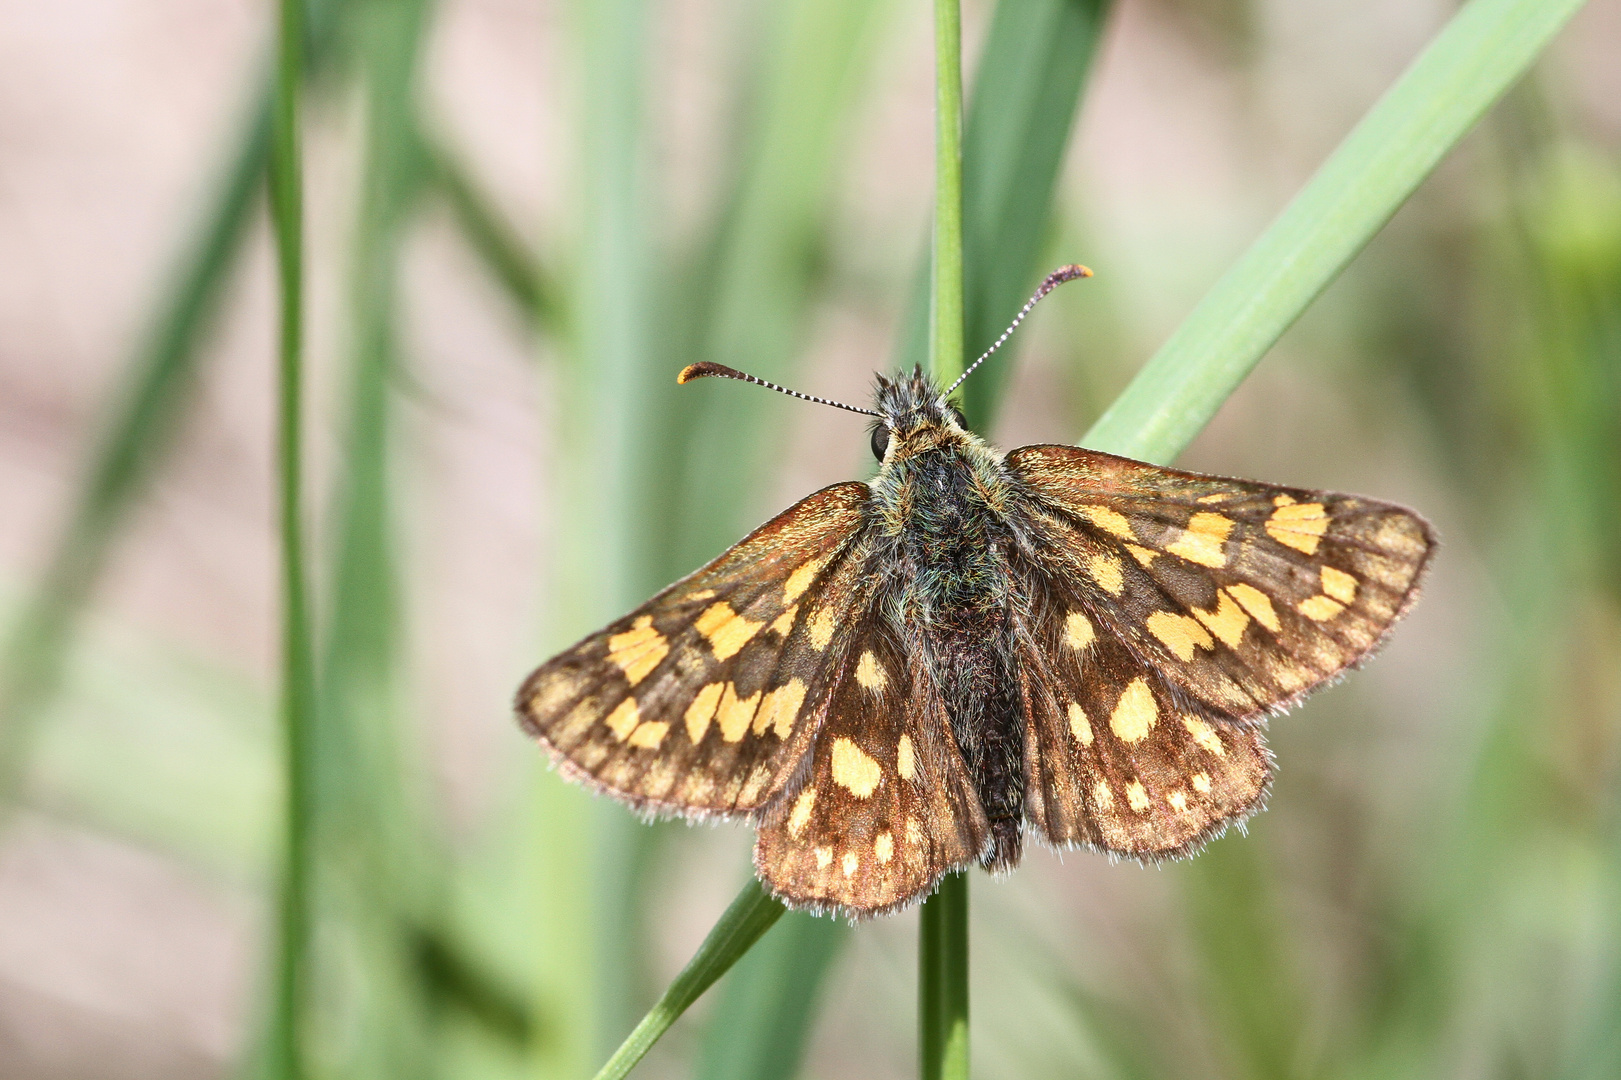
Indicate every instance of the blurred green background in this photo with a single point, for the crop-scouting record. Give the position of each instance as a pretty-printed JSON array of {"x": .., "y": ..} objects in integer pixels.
[{"x": 524, "y": 218}]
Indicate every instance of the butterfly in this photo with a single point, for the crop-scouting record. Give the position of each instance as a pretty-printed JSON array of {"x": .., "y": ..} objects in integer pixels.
[{"x": 894, "y": 680}]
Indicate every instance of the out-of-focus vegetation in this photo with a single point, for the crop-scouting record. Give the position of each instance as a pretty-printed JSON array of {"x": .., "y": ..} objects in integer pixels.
[{"x": 1434, "y": 890}]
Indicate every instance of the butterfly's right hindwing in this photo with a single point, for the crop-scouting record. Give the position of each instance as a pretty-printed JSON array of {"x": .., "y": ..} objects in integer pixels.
[
  {"x": 696, "y": 702},
  {"x": 885, "y": 805}
]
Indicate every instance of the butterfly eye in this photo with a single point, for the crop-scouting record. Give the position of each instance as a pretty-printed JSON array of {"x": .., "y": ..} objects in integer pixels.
[
  {"x": 880, "y": 441},
  {"x": 962, "y": 421}
]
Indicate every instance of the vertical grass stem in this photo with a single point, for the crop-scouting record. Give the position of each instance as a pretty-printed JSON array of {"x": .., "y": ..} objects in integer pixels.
[{"x": 298, "y": 682}]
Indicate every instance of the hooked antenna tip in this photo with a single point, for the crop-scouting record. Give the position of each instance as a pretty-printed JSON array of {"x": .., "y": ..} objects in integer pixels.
[{"x": 705, "y": 368}]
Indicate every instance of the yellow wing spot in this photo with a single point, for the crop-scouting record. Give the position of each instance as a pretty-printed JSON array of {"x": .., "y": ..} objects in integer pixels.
[
  {"x": 850, "y": 861},
  {"x": 1180, "y": 634},
  {"x": 854, "y": 769},
  {"x": 1298, "y": 525},
  {"x": 779, "y": 707},
  {"x": 649, "y": 734},
  {"x": 1078, "y": 632},
  {"x": 1110, "y": 521},
  {"x": 801, "y": 813},
  {"x": 883, "y": 848},
  {"x": 623, "y": 720},
  {"x": 1102, "y": 796},
  {"x": 785, "y": 622},
  {"x": 755, "y": 784},
  {"x": 905, "y": 759},
  {"x": 801, "y": 579},
  {"x": 702, "y": 711},
  {"x": 659, "y": 778},
  {"x": 1257, "y": 603},
  {"x": 1216, "y": 497},
  {"x": 701, "y": 594},
  {"x": 1338, "y": 584},
  {"x": 1202, "y": 540},
  {"x": 555, "y": 690},
  {"x": 1143, "y": 556},
  {"x": 824, "y": 858},
  {"x": 1079, "y": 725},
  {"x": 1107, "y": 572},
  {"x": 1226, "y": 620},
  {"x": 869, "y": 673},
  {"x": 1201, "y": 783},
  {"x": 1178, "y": 800},
  {"x": 1320, "y": 608},
  {"x": 1137, "y": 796},
  {"x": 726, "y": 630},
  {"x": 821, "y": 629},
  {"x": 914, "y": 832},
  {"x": 735, "y": 713},
  {"x": 1284, "y": 500},
  {"x": 638, "y": 650},
  {"x": 1205, "y": 736},
  {"x": 699, "y": 788},
  {"x": 1134, "y": 714}
]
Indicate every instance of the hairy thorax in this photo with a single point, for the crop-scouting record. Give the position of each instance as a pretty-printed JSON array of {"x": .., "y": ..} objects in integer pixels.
[{"x": 941, "y": 494}]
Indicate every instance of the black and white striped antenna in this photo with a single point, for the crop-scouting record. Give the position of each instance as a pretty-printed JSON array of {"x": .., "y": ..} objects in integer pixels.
[
  {"x": 705, "y": 369},
  {"x": 1051, "y": 282}
]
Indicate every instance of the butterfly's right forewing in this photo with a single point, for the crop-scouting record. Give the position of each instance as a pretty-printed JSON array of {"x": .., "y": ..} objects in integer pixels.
[{"x": 701, "y": 700}]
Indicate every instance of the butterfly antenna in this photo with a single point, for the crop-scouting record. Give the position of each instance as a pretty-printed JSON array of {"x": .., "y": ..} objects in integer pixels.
[
  {"x": 1053, "y": 280},
  {"x": 705, "y": 369}
]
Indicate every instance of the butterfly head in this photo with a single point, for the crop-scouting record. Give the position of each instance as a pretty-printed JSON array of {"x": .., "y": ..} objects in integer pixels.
[{"x": 914, "y": 417}]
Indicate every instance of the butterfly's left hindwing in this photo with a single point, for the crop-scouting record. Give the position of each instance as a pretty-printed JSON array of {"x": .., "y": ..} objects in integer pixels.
[{"x": 696, "y": 702}]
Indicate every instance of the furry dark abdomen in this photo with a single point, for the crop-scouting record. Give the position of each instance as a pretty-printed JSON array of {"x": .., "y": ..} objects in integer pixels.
[{"x": 955, "y": 549}]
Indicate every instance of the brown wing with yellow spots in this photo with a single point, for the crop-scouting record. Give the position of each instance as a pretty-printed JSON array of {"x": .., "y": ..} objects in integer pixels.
[
  {"x": 697, "y": 702},
  {"x": 1198, "y": 604},
  {"x": 884, "y": 806}
]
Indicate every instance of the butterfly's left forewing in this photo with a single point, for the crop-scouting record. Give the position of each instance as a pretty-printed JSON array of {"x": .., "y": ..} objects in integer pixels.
[
  {"x": 697, "y": 702},
  {"x": 1166, "y": 613}
]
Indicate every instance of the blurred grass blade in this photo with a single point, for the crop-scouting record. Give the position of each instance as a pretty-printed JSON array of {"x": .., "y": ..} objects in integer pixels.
[
  {"x": 761, "y": 1023},
  {"x": 141, "y": 422},
  {"x": 746, "y": 300},
  {"x": 750, "y": 915},
  {"x": 589, "y": 950},
  {"x": 1478, "y": 55},
  {"x": 382, "y": 863},
  {"x": 287, "y": 1038},
  {"x": 1026, "y": 93},
  {"x": 493, "y": 239},
  {"x": 142, "y": 425}
]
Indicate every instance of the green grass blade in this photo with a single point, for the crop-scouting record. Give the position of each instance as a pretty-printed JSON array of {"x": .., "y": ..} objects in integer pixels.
[
  {"x": 750, "y": 915},
  {"x": 287, "y": 1039},
  {"x": 1481, "y": 52},
  {"x": 1026, "y": 93},
  {"x": 762, "y": 1021},
  {"x": 942, "y": 981},
  {"x": 945, "y": 268}
]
